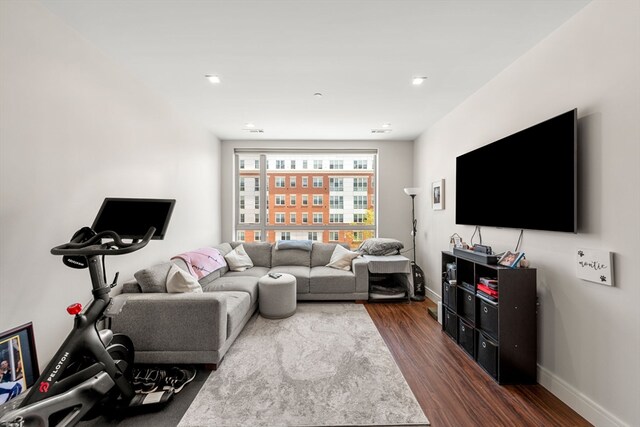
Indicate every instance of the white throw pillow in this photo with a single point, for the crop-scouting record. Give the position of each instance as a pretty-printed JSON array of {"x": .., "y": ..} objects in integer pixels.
[
  {"x": 341, "y": 258},
  {"x": 238, "y": 259},
  {"x": 180, "y": 281}
]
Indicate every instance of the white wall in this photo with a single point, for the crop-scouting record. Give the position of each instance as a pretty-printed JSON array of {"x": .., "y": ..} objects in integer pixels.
[
  {"x": 395, "y": 172},
  {"x": 76, "y": 128},
  {"x": 589, "y": 346}
]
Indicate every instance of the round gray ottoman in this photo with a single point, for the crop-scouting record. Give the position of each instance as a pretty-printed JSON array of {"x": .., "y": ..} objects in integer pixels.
[{"x": 277, "y": 297}]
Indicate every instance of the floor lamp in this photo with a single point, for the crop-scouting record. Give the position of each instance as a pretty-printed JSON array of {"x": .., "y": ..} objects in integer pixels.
[{"x": 418, "y": 274}]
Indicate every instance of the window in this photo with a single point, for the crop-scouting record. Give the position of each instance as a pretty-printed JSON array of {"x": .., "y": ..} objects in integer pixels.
[
  {"x": 358, "y": 236},
  {"x": 269, "y": 195},
  {"x": 285, "y": 235},
  {"x": 240, "y": 236},
  {"x": 360, "y": 164},
  {"x": 336, "y": 202},
  {"x": 336, "y": 164},
  {"x": 336, "y": 184},
  {"x": 312, "y": 235},
  {"x": 359, "y": 184},
  {"x": 359, "y": 202},
  {"x": 333, "y": 218}
]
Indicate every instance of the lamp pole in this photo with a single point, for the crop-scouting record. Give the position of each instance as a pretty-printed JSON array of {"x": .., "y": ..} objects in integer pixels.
[{"x": 415, "y": 224}]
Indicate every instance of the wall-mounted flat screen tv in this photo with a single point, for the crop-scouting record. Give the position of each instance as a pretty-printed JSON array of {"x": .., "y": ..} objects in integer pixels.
[{"x": 525, "y": 180}]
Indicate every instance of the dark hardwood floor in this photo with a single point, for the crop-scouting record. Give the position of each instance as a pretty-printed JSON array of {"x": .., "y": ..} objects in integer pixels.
[{"x": 450, "y": 387}]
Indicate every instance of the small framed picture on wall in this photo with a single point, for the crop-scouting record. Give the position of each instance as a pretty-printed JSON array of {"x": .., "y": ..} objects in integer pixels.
[{"x": 437, "y": 195}]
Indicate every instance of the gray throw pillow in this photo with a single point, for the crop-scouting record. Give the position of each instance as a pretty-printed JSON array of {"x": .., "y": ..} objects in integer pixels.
[
  {"x": 154, "y": 279},
  {"x": 304, "y": 245}
]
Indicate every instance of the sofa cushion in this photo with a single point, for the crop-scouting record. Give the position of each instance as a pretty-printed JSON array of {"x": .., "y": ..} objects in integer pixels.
[
  {"x": 305, "y": 245},
  {"x": 180, "y": 281},
  {"x": 297, "y": 257},
  {"x": 327, "y": 280},
  {"x": 321, "y": 254},
  {"x": 206, "y": 279},
  {"x": 153, "y": 279},
  {"x": 300, "y": 273},
  {"x": 238, "y": 259},
  {"x": 341, "y": 258},
  {"x": 259, "y": 252},
  {"x": 238, "y": 304},
  {"x": 251, "y": 272},
  {"x": 240, "y": 284},
  {"x": 224, "y": 249}
]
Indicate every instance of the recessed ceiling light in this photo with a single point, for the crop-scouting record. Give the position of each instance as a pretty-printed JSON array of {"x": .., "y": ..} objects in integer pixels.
[
  {"x": 249, "y": 125},
  {"x": 212, "y": 78},
  {"x": 386, "y": 125},
  {"x": 380, "y": 130},
  {"x": 317, "y": 95},
  {"x": 418, "y": 80},
  {"x": 255, "y": 130}
]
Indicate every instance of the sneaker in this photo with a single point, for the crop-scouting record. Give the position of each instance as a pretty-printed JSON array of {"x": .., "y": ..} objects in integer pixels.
[
  {"x": 177, "y": 378},
  {"x": 148, "y": 380}
]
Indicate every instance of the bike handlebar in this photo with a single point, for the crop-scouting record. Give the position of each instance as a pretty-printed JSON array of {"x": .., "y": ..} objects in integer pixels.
[{"x": 94, "y": 245}]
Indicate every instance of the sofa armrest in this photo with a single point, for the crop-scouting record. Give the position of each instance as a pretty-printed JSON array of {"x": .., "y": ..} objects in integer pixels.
[
  {"x": 171, "y": 322},
  {"x": 361, "y": 270}
]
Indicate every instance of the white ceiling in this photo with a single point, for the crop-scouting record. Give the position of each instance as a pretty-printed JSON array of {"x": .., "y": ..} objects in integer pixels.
[{"x": 272, "y": 56}]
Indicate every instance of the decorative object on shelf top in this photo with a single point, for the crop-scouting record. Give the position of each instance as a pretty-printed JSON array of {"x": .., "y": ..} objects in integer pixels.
[
  {"x": 418, "y": 274},
  {"x": 510, "y": 259}
]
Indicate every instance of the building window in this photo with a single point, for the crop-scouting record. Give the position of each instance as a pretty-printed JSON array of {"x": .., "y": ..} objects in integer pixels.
[
  {"x": 305, "y": 165},
  {"x": 256, "y": 164},
  {"x": 336, "y": 218},
  {"x": 358, "y": 236},
  {"x": 305, "y": 200},
  {"x": 334, "y": 236},
  {"x": 305, "y": 181},
  {"x": 336, "y": 184},
  {"x": 358, "y": 218},
  {"x": 240, "y": 236},
  {"x": 318, "y": 181},
  {"x": 256, "y": 185},
  {"x": 317, "y": 218},
  {"x": 285, "y": 235},
  {"x": 359, "y": 202},
  {"x": 305, "y": 218},
  {"x": 293, "y": 164},
  {"x": 317, "y": 200},
  {"x": 256, "y": 203},
  {"x": 257, "y": 236},
  {"x": 241, "y": 167},
  {"x": 241, "y": 202},
  {"x": 336, "y": 202},
  {"x": 292, "y": 218},
  {"x": 292, "y": 181},
  {"x": 279, "y": 181},
  {"x": 312, "y": 235},
  {"x": 279, "y": 218},
  {"x": 242, "y": 184},
  {"x": 256, "y": 218},
  {"x": 336, "y": 164},
  {"x": 359, "y": 184},
  {"x": 360, "y": 164},
  {"x": 279, "y": 200},
  {"x": 279, "y": 164},
  {"x": 317, "y": 164},
  {"x": 292, "y": 200},
  {"x": 241, "y": 218}
]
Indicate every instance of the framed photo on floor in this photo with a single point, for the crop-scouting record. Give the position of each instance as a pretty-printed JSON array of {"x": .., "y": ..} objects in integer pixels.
[
  {"x": 18, "y": 362},
  {"x": 437, "y": 195}
]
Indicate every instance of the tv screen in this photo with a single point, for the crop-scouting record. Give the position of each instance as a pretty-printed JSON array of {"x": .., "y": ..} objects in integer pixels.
[
  {"x": 526, "y": 180},
  {"x": 132, "y": 218}
]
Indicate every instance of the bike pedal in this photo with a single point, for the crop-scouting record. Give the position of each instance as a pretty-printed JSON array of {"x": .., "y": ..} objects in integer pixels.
[{"x": 155, "y": 398}]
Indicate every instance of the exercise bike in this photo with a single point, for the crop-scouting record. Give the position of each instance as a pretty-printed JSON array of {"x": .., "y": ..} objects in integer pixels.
[{"x": 92, "y": 368}]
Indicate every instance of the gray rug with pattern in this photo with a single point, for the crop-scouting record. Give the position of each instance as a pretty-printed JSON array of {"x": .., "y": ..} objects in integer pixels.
[{"x": 327, "y": 365}]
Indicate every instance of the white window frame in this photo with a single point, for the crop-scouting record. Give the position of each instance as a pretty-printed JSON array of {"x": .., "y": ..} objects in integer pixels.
[{"x": 279, "y": 215}]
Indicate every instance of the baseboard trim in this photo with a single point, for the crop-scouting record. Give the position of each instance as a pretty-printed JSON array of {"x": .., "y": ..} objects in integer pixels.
[
  {"x": 432, "y": 295},
  {"x": 583, "y": 405}
]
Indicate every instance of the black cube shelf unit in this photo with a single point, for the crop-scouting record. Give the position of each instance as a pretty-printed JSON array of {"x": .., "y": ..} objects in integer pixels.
[{"x": 501, "y": 337}]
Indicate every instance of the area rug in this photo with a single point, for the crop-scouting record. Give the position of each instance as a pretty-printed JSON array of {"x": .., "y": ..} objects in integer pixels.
[{"x": 327, "y": 365}]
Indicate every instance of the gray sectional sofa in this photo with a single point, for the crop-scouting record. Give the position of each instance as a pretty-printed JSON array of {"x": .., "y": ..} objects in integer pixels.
[{"x": 200, "y": 327}]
